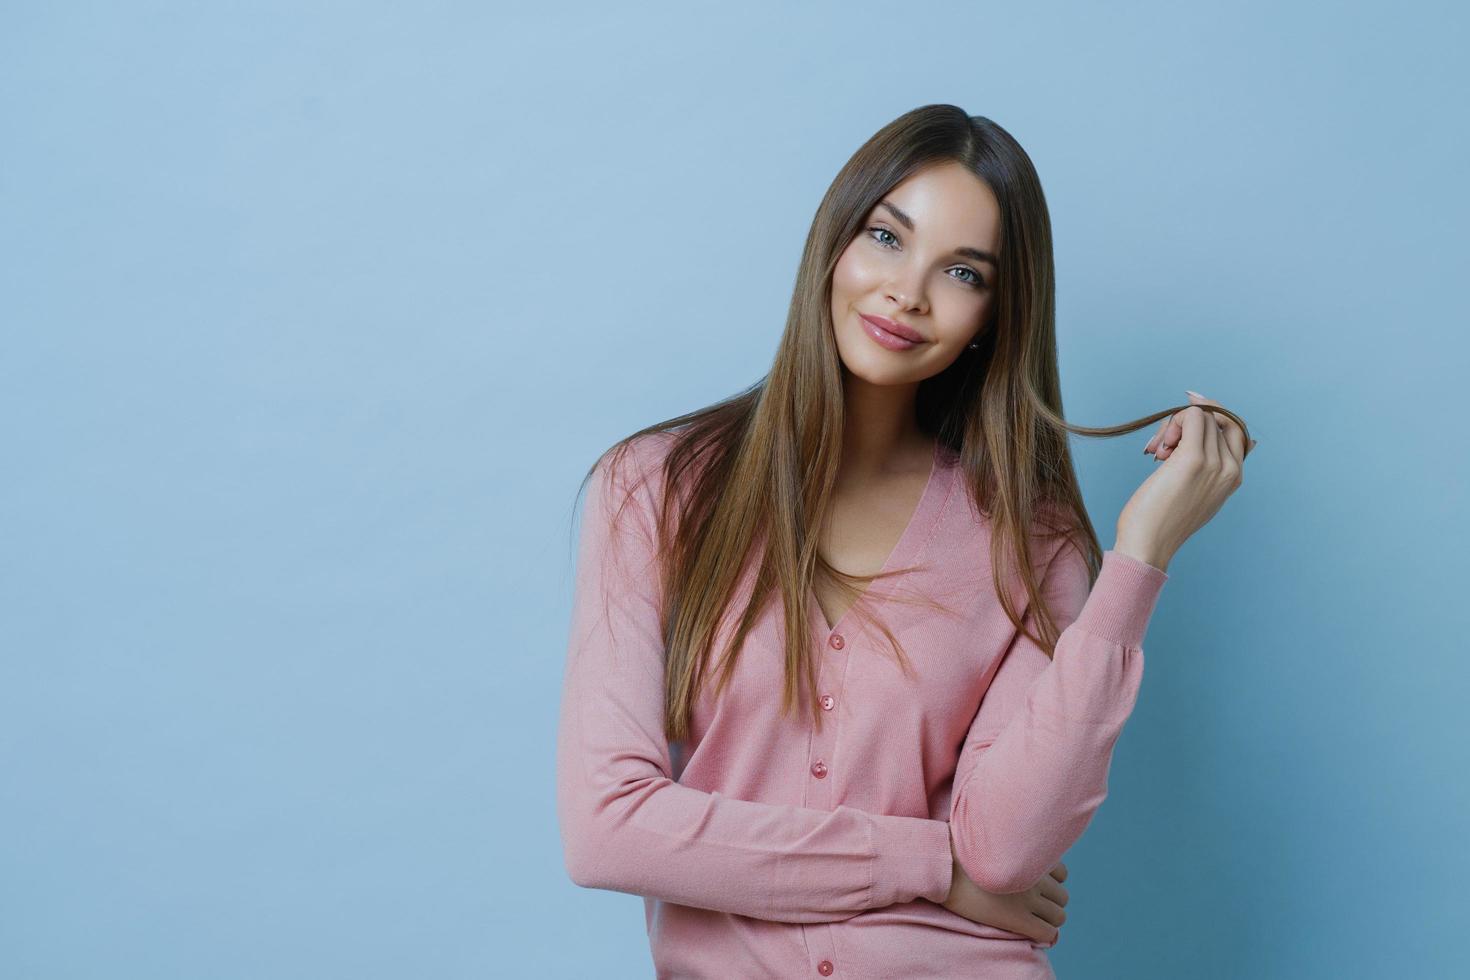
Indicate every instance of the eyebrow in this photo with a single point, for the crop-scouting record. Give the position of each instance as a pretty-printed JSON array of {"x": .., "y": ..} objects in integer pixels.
[{"x": 978, "y": 254}]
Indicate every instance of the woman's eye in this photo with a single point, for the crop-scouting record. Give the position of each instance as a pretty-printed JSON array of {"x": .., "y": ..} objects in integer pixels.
[
  {"x": 883, "y": 231},
  {"x": 875, "y": 231},
  {"x": 977, "y": 281}
]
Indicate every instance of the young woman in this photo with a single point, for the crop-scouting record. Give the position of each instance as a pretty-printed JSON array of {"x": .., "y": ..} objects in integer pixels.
[{"x": 847, "y": 663}]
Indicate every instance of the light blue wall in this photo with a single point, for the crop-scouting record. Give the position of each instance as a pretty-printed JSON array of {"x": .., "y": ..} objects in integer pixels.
[{"x": 315, "y": 314}]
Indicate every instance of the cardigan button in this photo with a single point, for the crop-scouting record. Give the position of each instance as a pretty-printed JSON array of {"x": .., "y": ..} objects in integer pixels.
[
  {"x": 825, "y": 968},
  {"x": 827, "y": 702},
  {"x": 835, "y": 641},
  {"x": 820, "y": 769}
]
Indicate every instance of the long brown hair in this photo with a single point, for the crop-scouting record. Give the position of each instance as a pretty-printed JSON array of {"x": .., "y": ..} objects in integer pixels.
[{"x": 757, "y": 470}]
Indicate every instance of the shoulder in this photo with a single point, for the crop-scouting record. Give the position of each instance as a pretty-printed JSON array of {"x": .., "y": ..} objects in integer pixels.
[
  {"x": 630, "y": 474},
  {"x": 635, "y": 461}
]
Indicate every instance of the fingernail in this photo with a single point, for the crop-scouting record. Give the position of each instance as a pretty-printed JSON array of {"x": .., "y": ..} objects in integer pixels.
[{"x": 1194, "y": 393}]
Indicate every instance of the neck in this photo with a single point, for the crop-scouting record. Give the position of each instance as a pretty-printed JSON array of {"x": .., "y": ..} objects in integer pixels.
[{"x": 880, "y": 429}]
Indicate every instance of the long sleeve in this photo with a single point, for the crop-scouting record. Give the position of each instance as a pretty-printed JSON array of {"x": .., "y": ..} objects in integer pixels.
[
  {"x": 628, "y": 826},
  {"x": 1034, "y": 766}
]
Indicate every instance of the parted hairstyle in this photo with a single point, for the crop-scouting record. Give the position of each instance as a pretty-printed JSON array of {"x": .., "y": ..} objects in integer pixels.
[{"x": 748, "y": 479}]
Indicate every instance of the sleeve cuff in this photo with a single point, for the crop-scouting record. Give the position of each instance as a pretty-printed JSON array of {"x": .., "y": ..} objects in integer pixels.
[
  {"x": 1122, "y": 599},
  {"x": 913, "y": 860}
]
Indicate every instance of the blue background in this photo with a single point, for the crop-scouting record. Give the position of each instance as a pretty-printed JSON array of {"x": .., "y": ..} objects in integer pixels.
[{"x": 316, "y": 313}]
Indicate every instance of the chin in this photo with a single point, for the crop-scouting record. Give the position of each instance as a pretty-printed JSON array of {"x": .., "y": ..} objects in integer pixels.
[{"x": 878, "y": 366}]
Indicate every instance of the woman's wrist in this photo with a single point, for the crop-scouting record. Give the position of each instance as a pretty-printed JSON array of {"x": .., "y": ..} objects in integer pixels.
[{"x": 1156, "y": 557}]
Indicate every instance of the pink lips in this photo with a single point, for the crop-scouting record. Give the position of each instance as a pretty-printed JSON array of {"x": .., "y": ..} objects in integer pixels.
[{"x": 888, "y": 333}]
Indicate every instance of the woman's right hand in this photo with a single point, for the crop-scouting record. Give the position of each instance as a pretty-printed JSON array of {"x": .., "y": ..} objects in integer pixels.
[{"x": 1035, "y": 912}]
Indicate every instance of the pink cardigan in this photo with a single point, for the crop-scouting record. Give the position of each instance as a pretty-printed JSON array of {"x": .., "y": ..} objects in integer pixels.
[{"x": 765, "y": 848}]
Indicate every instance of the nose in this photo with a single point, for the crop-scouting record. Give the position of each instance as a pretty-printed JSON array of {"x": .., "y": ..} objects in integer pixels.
[{"x": 907, "y": 294}]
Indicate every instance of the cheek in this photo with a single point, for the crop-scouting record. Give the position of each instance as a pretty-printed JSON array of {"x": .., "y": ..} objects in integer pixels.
[
  {"x": 852, "y": 276},
  {"x": 956, "y": 320},
  {"x": 963, "y": 314}
]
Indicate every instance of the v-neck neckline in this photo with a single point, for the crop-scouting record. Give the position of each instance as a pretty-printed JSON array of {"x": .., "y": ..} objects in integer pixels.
[{"x": 915, "y": 535}]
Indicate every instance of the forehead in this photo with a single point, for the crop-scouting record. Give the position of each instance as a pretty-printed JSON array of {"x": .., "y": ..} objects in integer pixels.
[{"x": 949, "y": 204}]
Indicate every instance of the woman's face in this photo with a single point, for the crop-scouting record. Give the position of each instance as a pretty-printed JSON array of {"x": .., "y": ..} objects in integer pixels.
[{"x": 924, "y": 260}]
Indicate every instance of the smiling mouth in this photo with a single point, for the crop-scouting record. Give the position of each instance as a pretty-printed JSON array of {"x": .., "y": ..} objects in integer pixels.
[
  {"x": 893, "y": 327},
  {"x": 883, "y": 337}
]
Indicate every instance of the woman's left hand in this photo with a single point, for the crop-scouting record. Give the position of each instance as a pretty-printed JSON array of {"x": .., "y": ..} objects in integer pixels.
[
  {"x": 1167, "y": 438},
  {"x": 1205, "y": 455}
]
